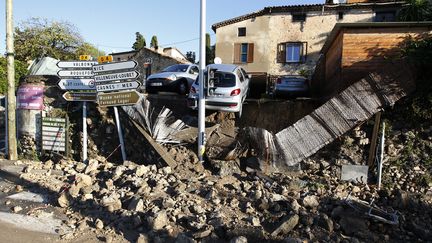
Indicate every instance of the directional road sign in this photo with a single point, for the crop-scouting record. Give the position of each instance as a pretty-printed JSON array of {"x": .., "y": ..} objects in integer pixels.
[
  {"x": 114, "y": 66},
  {"x": 118, "y": 98},
  {"x": 116, "y": 76},
  {"x": 80, "y": 96},
  {"x": 117, "y": 86},
  {"x": 76, "y": 64},
  {"x": 77, "y": 84},
  {"x": 75, "y": 73}
]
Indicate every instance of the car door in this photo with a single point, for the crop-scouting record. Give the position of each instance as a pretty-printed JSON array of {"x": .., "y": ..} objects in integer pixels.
[{"x": 243, "y": 83}]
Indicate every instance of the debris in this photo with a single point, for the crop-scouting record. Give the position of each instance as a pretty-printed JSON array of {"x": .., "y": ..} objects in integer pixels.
[
  {"x": 371, "y": 210},
  {"x": 99, "y": 224},
  {"x": 310, "y": 201},
  {"x": 17, "y": 209}
]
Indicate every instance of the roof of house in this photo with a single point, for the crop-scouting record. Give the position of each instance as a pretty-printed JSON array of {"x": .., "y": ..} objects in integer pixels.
[
  {"x": 370, "y": 25},
  {"x": 149, "y": 49},
  {"x": 305, "y": 7}
]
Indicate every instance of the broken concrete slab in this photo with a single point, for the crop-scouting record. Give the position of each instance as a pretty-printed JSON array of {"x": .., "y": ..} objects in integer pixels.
[
  {"x": 29, "y": 196},
  {"x": 356, "y": 173},
  {"x": 44, "y": 223}
]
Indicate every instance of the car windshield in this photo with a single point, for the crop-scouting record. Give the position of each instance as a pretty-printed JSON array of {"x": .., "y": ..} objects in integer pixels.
[
  {"x": 176, "y": 68},
  {"x": 222, "y": 79}
]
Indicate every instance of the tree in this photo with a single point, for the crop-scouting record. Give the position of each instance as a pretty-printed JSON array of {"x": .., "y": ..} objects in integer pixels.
[
  {"x": 39, "y": 37},
  {"x": 210, "y": 50},
  {"x": 20, "y": 71},
  {"x": 139, "y": 42},
  {"x": 190, "y": 56},
  {"x": 416, "y": 10},
  {"x": 154, "y": 42}
]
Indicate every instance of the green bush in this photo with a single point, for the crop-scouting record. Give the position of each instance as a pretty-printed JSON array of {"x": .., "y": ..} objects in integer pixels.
[{"x": 20, "y": 71}]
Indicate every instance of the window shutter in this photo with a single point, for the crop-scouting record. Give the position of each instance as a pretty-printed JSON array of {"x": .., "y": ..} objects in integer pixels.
[
  {"x": 281, "y": 53},
  {"x": 237, "y": 47},
  {"x": 250, "y": 54}
]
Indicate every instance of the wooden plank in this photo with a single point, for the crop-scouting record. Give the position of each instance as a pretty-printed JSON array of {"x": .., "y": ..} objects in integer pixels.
[
  {"x": 158, "y": 148},
  {"x": 53, "y": 129},
  {"x": 372, "y": 149},
  {"x": 54, "y": 148},
  {"x": 58, "y": 139}
]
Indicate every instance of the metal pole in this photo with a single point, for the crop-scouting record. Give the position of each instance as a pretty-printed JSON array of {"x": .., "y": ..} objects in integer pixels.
[
  {"x": 201, "y": 98},
  {"x": 6, "y": 127},
  {"x": 84, "y": 120},
  {"x": 381, "y": 157},
  {"x": 120, "y": 133},
  {"x": 12, "y": 143}
]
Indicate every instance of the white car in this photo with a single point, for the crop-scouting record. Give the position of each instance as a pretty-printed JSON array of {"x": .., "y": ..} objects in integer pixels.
[
  {"x": 176, "y": 78},
  {"x": 226, "y": 90}
]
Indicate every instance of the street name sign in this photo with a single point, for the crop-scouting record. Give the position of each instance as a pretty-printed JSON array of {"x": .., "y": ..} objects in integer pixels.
[
  {"x": 114, "y": 66},
  {"x": 77, "y": 84},
  {"x": 116, "y": 76},
  {"x": 117, "y": 86},
  {"x": 76, "y": 64},
  {"x": 118, "y": 98},
  {"x": 75, "y": 73},
  {"x": 79, "y": 96}
]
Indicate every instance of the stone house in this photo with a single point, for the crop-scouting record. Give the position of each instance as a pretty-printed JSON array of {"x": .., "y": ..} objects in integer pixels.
[
  {"x": 149, "y": 60},
  {"x": 286, "y": 40}
]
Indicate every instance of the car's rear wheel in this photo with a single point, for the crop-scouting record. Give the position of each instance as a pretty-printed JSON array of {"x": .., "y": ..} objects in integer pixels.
[{"x": 182, "y": 88}]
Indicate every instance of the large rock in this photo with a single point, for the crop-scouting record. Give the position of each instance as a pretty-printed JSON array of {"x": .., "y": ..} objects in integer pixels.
[
  {"x": 351, "y": 225},
  {"x": 159, "y": 221},
  {"x": 310, "y": 201},
  {"x": 288, "y": 224}
]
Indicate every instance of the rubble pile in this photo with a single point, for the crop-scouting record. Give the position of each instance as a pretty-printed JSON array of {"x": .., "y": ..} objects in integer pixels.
[{"x": 164, "y": 205}]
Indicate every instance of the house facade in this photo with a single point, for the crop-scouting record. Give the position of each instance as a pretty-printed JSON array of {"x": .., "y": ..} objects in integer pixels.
[{"x": 287, "y": 39}]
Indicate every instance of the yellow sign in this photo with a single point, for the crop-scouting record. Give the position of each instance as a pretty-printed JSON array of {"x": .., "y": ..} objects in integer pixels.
[
  {"x": 85, "y": 57},
  {"x": 103, "y": 59}
]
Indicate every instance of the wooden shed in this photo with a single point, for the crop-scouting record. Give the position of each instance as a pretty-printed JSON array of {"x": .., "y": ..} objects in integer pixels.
[{"x": 355, "y": 49}]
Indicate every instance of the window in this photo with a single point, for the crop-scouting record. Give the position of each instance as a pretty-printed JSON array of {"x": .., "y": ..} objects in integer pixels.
[
  {"x": 385, "y": 16},
  {"x": 298, "y": 17},
  {"x": 292, "y": 52},
  {"x": 240, "y": 75},
  {"x": 242, "y": 31},
  {"x": 194, "y": 70},
  {"x": 243, "y": 52},
  {"x": 340, "y": 15}
]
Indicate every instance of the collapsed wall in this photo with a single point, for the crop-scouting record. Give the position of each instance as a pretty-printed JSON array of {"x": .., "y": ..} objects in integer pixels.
[{"x": 356, "y": 104}]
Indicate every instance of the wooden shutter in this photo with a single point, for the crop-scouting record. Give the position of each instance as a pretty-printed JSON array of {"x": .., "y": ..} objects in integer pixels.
[
  {"x": 281, "y": 53},
  {"x": 250, "y": 53},
  {"x": 237, "y": 48}
]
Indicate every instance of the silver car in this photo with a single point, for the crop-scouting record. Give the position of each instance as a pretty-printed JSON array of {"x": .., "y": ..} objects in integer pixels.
[
  {"x": 176, "y": 78},
  {"x": 291, "y": 86},
  {"x": 226, "y": 89}
]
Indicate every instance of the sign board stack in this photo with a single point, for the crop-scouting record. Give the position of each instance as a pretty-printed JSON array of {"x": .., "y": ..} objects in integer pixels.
[
  {"x": 116, "y": 83},
  {"x": 54, "y": 134},
  {"x": 76, "y": 78}
]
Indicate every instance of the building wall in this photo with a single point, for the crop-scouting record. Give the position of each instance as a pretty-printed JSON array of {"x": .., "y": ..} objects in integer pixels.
[
  {"x": 174, "y": 53},
  {"x": 267, "y": 31},
  {"x": 257, "y": 32},
  {"x": 368, "y": 50}
]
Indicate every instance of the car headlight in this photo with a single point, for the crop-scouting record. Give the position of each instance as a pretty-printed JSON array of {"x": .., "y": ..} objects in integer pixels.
[{"x": 172, "y": 77}]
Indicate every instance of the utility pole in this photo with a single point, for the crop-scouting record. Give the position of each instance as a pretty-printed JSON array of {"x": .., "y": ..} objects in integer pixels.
[
  {"x": 201, "y": 98},
  {"x": 11, "y": 106}
]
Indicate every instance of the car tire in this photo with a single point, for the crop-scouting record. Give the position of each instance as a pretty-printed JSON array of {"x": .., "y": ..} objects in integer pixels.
[{"x": 182, "y": 88}]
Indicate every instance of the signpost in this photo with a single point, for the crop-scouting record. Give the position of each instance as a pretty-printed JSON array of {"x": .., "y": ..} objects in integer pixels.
[
  {"x": 117, "y": 86},
  {"x": 119, "y": 80},
  {"x": 81, "y": 96},
  {"x": 77, "y": 84},
  {"x": 116, "y": 76},
  {"x": 77, "y": 76},
  {"x": 118, "y": 98}
]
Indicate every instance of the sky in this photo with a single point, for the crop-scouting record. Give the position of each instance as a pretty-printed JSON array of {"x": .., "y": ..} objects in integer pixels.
[{"x": 111, "y": 25}]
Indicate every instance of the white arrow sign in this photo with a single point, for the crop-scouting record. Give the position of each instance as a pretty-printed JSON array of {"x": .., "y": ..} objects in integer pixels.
[
  {"x": 75, "y": 73},
  {"x": 76, "y": 84},
  {"x": 114, "y": 66},
  {"x": 116, "y": 76},
  {"x": 76, "y": 64},
  {"x": 117, "y": 86}
]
